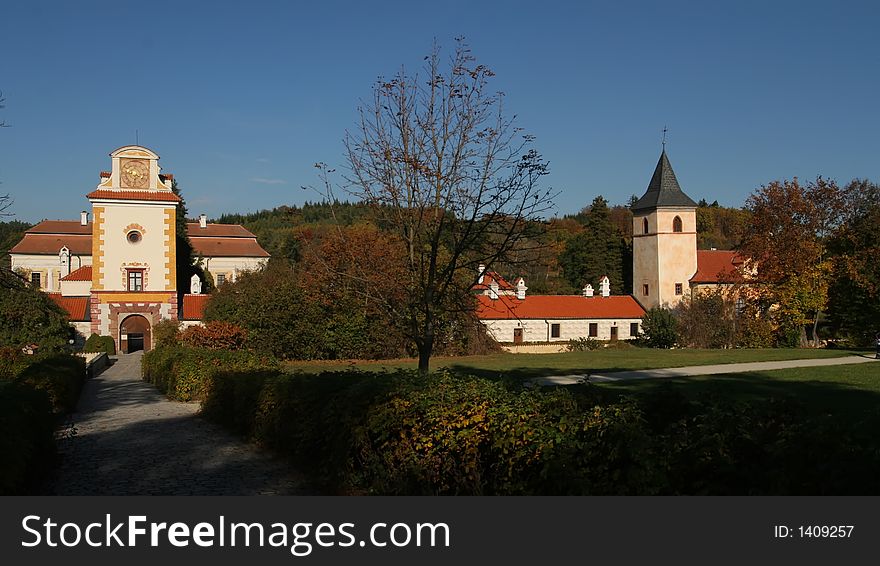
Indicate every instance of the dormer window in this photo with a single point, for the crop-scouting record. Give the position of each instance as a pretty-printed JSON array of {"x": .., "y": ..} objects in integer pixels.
[
  {"x": 676, "y": 224},
  {"x": 644, "y": 225},
  {"x": 134, "y": 237}
]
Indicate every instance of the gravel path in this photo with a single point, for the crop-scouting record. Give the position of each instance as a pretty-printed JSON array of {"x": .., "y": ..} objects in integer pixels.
[
  {"x": 130, "y": 440},
  {"x": 691, "y": 371}
]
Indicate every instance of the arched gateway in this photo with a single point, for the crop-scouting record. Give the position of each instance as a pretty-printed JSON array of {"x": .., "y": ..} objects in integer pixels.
[{"x": 134, "y": 334}]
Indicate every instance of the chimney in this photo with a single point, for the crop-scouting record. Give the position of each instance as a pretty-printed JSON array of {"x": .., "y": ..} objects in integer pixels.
[
  {"x": 604, "y": 286},
  {"x": 493, "y": 290},
  {"x": 480, "y": 271},
  {"x": 588, "y": 291},
  {"x": 203, "y": 221},
  {"x": 521, "y": 289},
  {"x": 83, "y": 218}
]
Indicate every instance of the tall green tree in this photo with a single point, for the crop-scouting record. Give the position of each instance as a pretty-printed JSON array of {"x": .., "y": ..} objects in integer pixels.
[
  {"x": 29, "y": 316},
  {"x": 598, "y": 250},
  {"x": 187, "y": 263},
  {"x": 854, "y": 294}
]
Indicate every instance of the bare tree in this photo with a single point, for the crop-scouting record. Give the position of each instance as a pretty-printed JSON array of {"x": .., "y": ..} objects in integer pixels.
[
  {"x": 5, "y": 200},
  {"x": 452, "y": 176}
]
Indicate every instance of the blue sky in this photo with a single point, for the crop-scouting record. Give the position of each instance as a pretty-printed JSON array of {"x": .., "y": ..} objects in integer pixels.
[{"x": 240, "y": 99}]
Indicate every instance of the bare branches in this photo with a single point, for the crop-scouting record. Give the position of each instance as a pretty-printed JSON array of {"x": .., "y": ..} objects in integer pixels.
[{"x": 450, "y": 174}]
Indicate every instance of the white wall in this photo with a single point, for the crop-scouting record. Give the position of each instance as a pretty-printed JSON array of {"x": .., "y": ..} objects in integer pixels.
[
  {"x": 538, "y": 330},
  {"x": 232, "y": 266},
  {"x": 49, "y": 267}
]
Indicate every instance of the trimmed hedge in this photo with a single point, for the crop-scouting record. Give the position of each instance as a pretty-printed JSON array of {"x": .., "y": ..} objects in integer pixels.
[
  {"x": 398, "y": 433},
  {"x": 183, "y": 373},
  {"x": 96, "y": 343},
  {"x": 61, "y": 376},
  {"x": 34, "y": 392},
  {"x": 27, "y": 443}
]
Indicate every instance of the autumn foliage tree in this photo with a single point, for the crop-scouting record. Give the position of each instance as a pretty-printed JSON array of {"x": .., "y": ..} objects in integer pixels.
[
  {"x": 452, "y": 177},
  {"x": 854, "y": 295},
  {"x": 787, "y": 241}
]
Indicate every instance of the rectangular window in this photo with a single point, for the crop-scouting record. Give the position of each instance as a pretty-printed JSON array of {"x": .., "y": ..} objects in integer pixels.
[
  {"x": 678, "y": 288},
  {"x": 633, "y": 329},
  {"x": 135, "y": 279},
  {"x": 594, "y": 329},
  {"x": 645, "y": 289},
  {"x": 554, "y": 331},
  {"x": 221, "y": 279},
  {"x": 36, "y": 279}
]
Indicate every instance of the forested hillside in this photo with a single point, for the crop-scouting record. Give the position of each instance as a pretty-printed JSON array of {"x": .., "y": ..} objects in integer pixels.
[{"x": 564, "y": 254}]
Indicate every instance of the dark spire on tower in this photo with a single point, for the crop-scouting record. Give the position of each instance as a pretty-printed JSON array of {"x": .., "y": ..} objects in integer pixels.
[{"x": 663, "y": 190}]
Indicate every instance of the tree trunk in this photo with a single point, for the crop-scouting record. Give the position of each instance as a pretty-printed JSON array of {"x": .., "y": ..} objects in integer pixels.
[{"x": 425, "y": 350}]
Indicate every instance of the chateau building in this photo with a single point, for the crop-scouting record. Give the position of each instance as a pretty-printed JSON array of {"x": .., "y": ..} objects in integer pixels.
[{"x": 115, "y": 274}]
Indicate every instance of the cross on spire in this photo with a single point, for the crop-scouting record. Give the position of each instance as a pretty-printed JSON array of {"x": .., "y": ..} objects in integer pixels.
[{"x": 664, "y": 138}]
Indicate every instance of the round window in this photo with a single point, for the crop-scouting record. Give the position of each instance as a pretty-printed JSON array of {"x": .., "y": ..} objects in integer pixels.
[{"x": 134, "y": 236}]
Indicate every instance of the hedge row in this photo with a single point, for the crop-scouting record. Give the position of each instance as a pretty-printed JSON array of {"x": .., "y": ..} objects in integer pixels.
[
  {"x": 34, "y": 392},
  {"x": 27, "y": 444},
  {"x": 182, "y": 373},
  {"x": 97, "y": 343},
  {"x": 397, "y": 433}
]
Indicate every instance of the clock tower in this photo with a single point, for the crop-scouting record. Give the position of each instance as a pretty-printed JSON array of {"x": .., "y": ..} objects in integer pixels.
[{"x": 133, "y": 249}]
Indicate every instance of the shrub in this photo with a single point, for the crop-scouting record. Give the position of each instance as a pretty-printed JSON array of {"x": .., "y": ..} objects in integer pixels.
[
  {"x": 61, "y": 376},
  {"x": 166, "y": 333},
  {"x": 214, "y": 335},
  {"x": 27, "y": 447},
  {"x": 12, "y": 362},
  {"x": 185, "y": 374},
  {"x": 705, "y": 320},
  {"x": 96, "y": 343},
  {"x": 399, "y": 433},
  {"x": 659, "y": 328},
  {"x": 30, "y": 316},
  {"x": 583, "y": 345}
]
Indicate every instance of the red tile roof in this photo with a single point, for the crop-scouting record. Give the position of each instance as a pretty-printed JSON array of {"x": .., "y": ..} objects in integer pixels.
[
  {"x": 51, "y": 244},
  {"x": 60, "y": 227},
  {"x": 77, "y": 307},
  {"x": 488, "y": 278},
  {"x": 113, "y": 194},
  {"x": 558, "y": 306},
  {"x": 84, "y": 273},
  {"x": 228, "y": 247},
  {"x": 194, "y": 307},
  {"x": 215, "y": 230},
  {"x": 717, "y": 266},
  {"x": 217, "y": 240}
]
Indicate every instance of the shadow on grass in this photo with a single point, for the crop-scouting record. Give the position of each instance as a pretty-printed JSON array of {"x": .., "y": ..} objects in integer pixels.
[{"x": 840, "y": 400}]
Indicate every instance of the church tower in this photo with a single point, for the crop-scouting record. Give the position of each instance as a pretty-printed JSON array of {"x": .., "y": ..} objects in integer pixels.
[
  {"x": 134, "y": 279},
  {"x": 664, "y": 240}
]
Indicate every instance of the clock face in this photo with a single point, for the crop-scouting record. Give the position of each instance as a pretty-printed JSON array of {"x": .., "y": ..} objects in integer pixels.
[{"x": 135, "y": 174}]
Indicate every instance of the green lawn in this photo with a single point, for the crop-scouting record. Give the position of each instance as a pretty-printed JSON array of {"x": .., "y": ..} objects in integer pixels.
[
  {"x": 847, "y": 391},
  {"x": 535, "y": 365}
]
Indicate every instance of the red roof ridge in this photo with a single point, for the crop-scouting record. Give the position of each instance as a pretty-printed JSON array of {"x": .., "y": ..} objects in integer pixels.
[
  {"x": 84, "y": 273},
  {"x": 151, "y": 195},
  {"x": 559, "y": 307}
]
